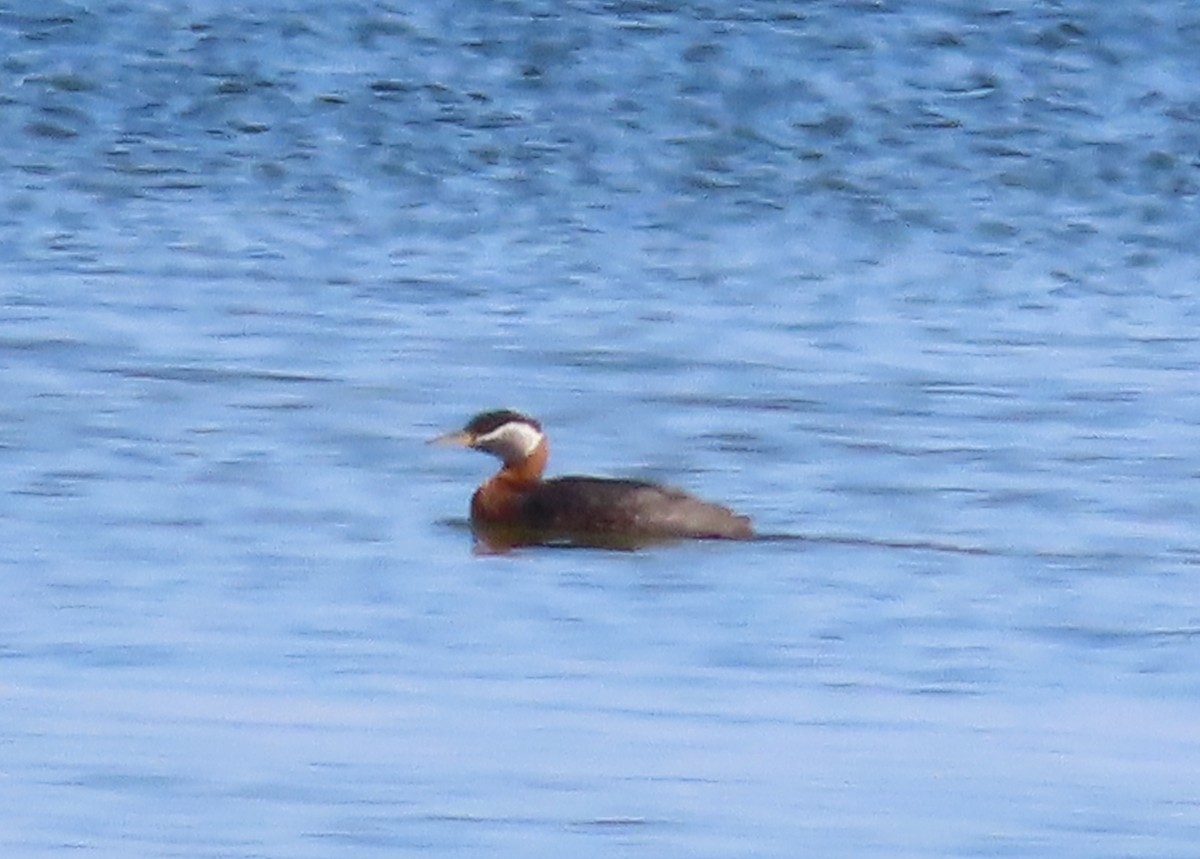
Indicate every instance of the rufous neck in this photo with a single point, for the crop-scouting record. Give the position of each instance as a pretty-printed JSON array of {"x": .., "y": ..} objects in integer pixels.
[{"x": 528, "y": 470}]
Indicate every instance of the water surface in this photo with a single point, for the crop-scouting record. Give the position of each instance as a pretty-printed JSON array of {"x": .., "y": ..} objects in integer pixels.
[{"x": 910, "y": 284}]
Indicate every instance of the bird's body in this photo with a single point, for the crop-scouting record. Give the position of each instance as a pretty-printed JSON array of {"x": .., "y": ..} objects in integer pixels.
[{"x": 516, "y": 506}]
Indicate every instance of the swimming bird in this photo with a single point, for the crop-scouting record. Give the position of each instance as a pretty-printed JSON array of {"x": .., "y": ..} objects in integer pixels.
[{"x": 517, "y": 507}]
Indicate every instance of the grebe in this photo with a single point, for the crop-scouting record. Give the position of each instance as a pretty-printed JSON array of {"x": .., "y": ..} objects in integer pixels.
[{"x": 517, "y": 507}]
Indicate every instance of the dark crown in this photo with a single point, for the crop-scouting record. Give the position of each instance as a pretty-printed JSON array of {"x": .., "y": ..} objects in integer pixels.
[{"x": 486, "y": 422}]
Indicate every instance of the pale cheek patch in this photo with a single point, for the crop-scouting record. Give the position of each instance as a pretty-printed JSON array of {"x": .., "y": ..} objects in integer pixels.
[{"x": 511, "y": 441}]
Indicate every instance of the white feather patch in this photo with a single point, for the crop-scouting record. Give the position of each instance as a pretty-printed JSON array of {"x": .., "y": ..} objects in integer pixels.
[{"x": 512, "y": 440}]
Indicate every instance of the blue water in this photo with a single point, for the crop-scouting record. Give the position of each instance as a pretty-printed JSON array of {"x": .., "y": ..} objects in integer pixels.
[{"x": 912, "y": 284}]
